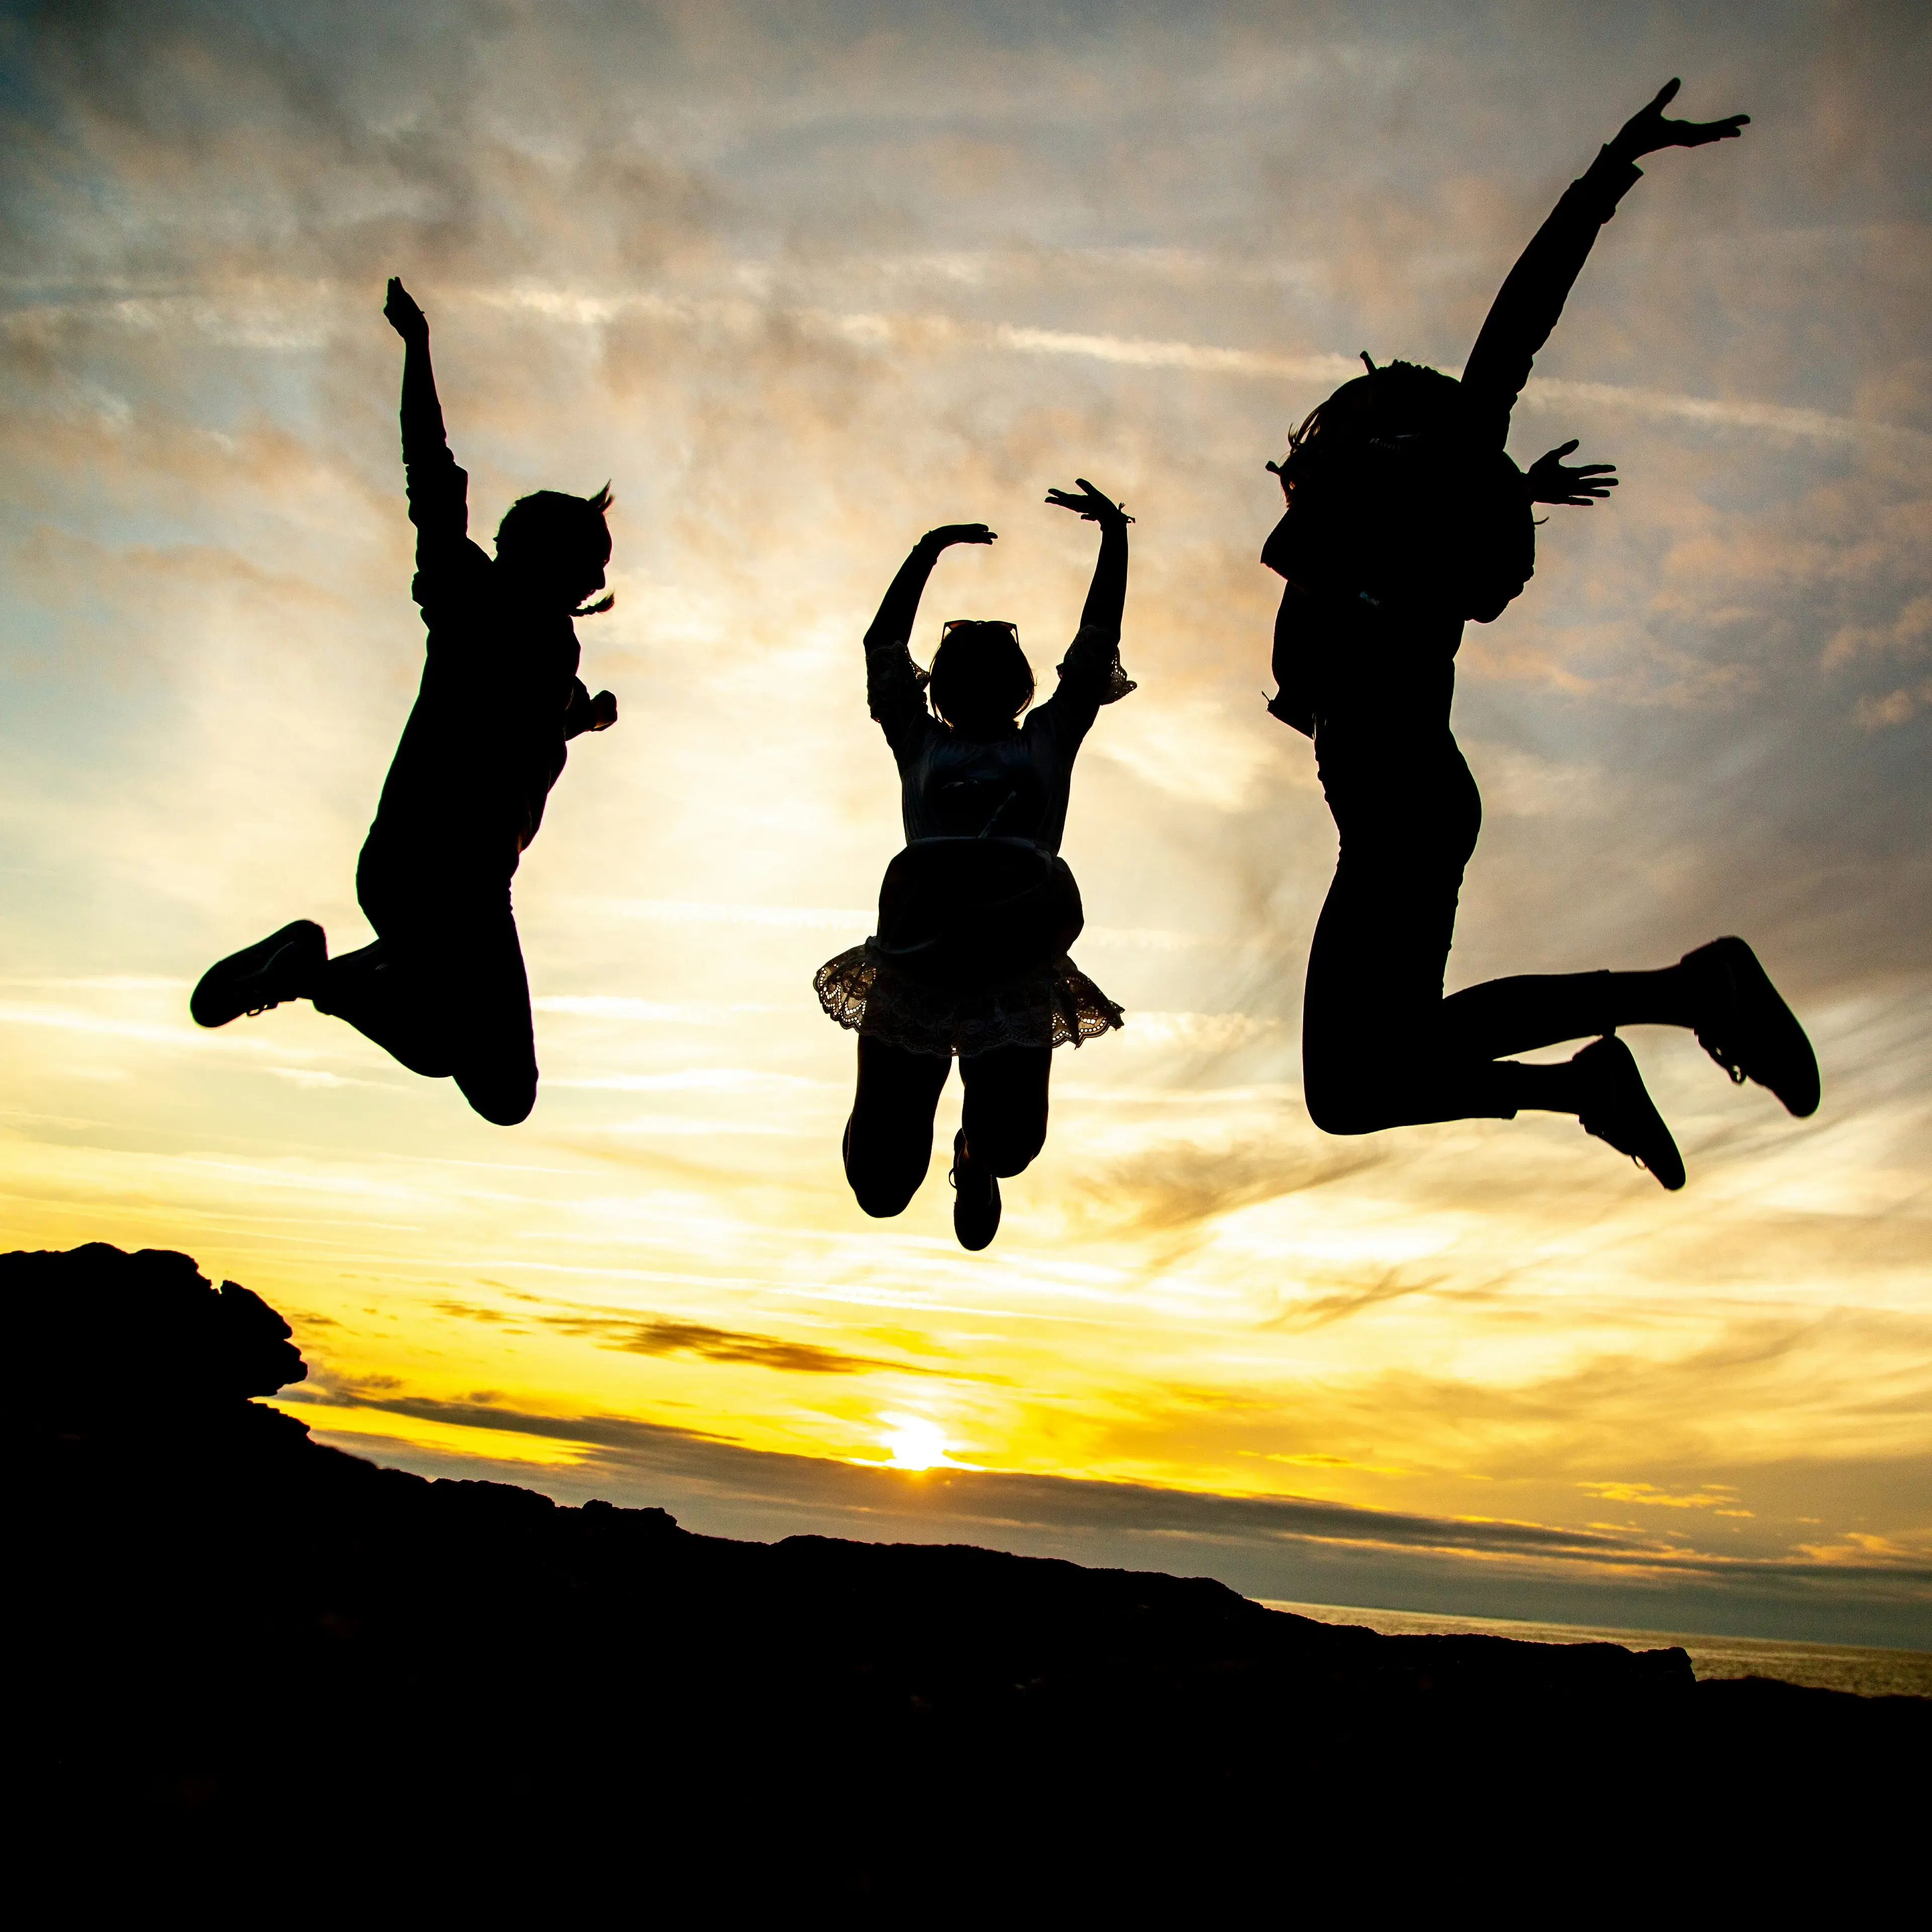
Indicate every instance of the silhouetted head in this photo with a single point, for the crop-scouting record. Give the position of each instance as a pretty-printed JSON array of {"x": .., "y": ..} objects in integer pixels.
[
  {"x": 1395, "y": 493},
  {"x": 1399, "y": 399},
  {"x": 556, "y": 546},
  {"x": 981, "y": 680}
]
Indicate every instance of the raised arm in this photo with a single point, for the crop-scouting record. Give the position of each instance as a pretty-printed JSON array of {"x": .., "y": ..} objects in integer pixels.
[
  {"x": 439, "y": 491},
  {"x": 1091, "y": 674},
  {"x": 1107, "y": 595},
  {"x": 898, "y": 610},
  {"x": 1527, "y": 307},
  {"x": 896, "y": 688}
]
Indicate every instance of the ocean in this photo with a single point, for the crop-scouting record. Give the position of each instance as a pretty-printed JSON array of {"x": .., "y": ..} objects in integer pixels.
[{"x": 1869, "y": 1672}]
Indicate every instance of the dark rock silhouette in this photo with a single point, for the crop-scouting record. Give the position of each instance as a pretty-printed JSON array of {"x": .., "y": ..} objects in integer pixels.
[
  {"x": 96, "y": 1323},
  {"x": 254, "y": 1668}
]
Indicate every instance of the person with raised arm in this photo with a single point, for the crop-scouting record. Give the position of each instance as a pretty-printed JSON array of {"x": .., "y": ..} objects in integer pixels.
[
  {"x": 977, "y": 912},
  {"x": 1404, "y": 519},
  {"x": 442, "y": 988}
]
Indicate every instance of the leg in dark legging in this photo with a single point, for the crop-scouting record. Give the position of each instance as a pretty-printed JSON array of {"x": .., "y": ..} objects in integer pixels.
[
  {"x": 1530, "y": 1010},
  {"x": 448, "y": 999},
  {"x": 1371, "y": 1049},
  {"x": 496, "y": 1057},
  {"x": 1005, "y": 1113},
  {"x": 1381, "y": 1047},
  {"x": 1501, "y": 1017},
  {"x": 889, "y": 1137},
  {"x": 383, "y": 991}
]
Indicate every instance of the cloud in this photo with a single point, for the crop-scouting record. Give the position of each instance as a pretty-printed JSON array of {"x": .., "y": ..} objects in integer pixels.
[
  {"x": 1721, "y": 1497},
  {"x": 938, "y": 333},
  {"x": 694, "y": 1080},
  {"x": 1175, "y": 1187},
  {"x": 1546, "y": 392},
  {"x": 1205, "y": 1033},
  {"x": 691, "y": 912},
  {"x": 1895, "y": 707},
  {"x": 615, "y": 1007},
  {"x": 661, "y": 1335},
  {"x": 645, "y": 1334}
]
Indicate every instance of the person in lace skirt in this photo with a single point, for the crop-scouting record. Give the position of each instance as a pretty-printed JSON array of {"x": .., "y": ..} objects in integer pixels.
[{"x": 977, "y": 912}]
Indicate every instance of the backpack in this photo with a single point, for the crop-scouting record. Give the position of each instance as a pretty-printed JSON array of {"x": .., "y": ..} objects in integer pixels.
[{"x": 1425, "y": 516}]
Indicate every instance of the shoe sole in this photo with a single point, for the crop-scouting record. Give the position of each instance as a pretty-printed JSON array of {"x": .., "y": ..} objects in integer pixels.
[
  {"x": 1765, "y": 1014},
  {"x": 959, "y": 1234},
  {"x": 1667, "y": 1169},
  {"x": 217, "y": 999}
]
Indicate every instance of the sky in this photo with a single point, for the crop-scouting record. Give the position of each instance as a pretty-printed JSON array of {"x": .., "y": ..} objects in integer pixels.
[{"x": 803, "y": 280}]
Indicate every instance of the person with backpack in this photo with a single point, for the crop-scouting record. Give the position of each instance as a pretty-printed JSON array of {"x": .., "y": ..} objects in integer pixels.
[
  {"x": 442, "y": 988},
  {"x": 977, "y": 911},
  {"x": 1404, "y": 519}
]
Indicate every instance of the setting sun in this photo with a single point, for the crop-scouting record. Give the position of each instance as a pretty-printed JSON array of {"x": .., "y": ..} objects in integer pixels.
[{"x": 916, "y": 1443}]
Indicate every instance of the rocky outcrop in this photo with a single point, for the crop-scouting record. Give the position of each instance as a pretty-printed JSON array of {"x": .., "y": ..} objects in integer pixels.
[
  {"x": 94, "y": 1335},
  {"x": 253, "y": 1666}
]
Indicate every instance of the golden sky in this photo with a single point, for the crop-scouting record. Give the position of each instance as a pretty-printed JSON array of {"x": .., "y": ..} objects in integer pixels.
[{"x": 803, "y": 280}]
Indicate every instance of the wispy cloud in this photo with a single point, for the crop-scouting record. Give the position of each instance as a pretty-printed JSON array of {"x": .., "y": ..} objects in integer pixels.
[
  {"x": 642, "y": 1334},
  {"x": 934, "y": 332},
  {"x": 705, "y": 912},
  {"x": 1548, "y": 392}
]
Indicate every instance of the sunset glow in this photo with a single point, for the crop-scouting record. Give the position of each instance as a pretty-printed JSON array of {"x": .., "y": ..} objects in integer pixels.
[
  {"x": 804, "y": 282},
  {"x": 916, "y": 1443}
]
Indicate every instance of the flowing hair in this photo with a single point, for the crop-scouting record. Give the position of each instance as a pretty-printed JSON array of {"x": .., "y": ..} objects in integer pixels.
[{"x": 1393, "y": 493}]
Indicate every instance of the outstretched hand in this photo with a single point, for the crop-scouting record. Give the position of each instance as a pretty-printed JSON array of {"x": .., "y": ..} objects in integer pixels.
[
  {"x": 1647, "y": 131},
  {"x": 1549, "y": 481},
  {"x": 1089, "y": 504},
  {"x": 947, "y": 534},
  {"x": 404, "y": 317},
  {"x": 585, "y": 713}
]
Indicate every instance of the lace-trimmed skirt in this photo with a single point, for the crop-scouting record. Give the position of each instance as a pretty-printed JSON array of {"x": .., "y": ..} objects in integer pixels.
[{"x": 970, "y": 954}]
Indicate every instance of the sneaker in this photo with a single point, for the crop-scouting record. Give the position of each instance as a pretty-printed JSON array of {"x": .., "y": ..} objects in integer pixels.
[
  {"x": 1746, "y": 1028},
  {"x": 1620, "y": 1112},
  {"x": 975, "y": 1204},
  {"x": 287, "y": 965}
]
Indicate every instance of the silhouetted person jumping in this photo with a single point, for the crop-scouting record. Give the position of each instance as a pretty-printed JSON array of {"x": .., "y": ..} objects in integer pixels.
[
  {"x": 976, "y": 914},
  {"x": 442, "y": 988},
  {"x": 1404, "y": 518}
]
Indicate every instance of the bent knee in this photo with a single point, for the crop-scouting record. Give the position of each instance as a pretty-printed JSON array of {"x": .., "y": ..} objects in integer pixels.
[
  {"x": 883, "y": 1196},
  {"x": 1343, "y": 1107},
  {"x": 883, "y": 1186},
  {"x": 503, "y": 1103},
  {"x": 1007, "y": 1154}
]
